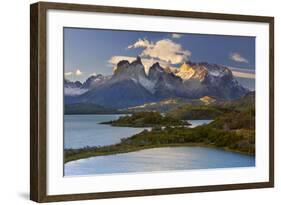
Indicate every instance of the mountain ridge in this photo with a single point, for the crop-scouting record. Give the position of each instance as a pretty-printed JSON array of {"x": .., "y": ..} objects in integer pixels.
[{"x": 131, "y": 86}]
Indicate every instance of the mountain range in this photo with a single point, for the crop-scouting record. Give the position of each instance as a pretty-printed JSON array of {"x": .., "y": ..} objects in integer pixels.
[{"x": 131, "y": 86}]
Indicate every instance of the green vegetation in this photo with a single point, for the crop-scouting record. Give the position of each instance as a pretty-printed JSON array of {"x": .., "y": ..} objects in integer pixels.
[
  {"x": 193, "y": 112},
  {"x": 197, "y": 111},
  {"x": 233, "y": 129},
  {"x": 146, "y": 119},
  {"x": 236, "y": 120},
  {"x": 237, "y": 140},
  {"x": 88, "y": 108}
]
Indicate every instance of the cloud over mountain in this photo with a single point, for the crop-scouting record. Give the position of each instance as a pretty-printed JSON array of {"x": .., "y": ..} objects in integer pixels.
[
  {"x": 164, "y": 50},
  {"x": 130, "y": 86},
  {"x": 243, "y": 73}
]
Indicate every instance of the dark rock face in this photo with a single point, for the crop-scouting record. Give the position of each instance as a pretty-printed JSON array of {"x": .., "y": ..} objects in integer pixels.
[
  {"x": 131, "y": 86},
  {"x": 166, "y": 84},
  {"x": 70, "y": 84},
  {"x": 119, "y": 94},
  {"x": 126, "y": 70}
]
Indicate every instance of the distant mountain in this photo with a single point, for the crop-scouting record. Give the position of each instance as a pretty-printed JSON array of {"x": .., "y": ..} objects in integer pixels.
[
  {"x": 214, "y": 109},
  {"x": 87, "y": 108},
  {"x": 95, "y": 81},
  {"x": 73, "y": 88},
  {"x": 204, "y": 79},
  {"x": 130, "y": 86},
  {"x": 117, "y": 94}
]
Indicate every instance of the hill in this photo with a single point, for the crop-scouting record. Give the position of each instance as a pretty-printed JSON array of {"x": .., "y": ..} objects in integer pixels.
[{"x": 88, "y": 108}]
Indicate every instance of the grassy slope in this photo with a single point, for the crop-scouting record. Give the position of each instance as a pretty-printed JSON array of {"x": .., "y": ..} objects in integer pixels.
[
  {"x": 213, "y": 110},
  {"x": 87, "y": 108},
  {"x": 237, "y": 140}
]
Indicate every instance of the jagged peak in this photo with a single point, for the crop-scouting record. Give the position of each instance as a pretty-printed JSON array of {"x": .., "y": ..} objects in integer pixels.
[
  {"x": 185, "y": 67},
  {"x": 72, "y": 83},
  {"x": 133, "y": 70},
  {"x": 137, "y": 61},
  {"x": 123, "y": 63},
  {"x": 95, "y": 76},
  {"x": 155, "y": 65}
]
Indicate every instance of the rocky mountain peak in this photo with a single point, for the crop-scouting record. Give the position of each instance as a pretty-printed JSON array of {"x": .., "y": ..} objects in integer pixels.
[
  {"x": 121, "y": 65},
  {"x": 186, "y": 71},
  {"x": 185, "y": 67},
  {"x": 190, "y": 81},
  {"x": 155, "y": 68},
  {"x": 70, "y": 84},
  {"x": 137, "y": 61},
  {"x": 94, "y": 81},
  {"x": 129, "y": 71}
]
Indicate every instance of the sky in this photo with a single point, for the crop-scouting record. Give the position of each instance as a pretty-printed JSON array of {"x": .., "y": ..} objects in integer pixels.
[{"x": 95, "y": 51}]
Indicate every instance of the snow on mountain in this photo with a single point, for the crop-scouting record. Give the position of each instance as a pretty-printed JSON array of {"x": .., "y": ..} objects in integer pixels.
[
  {"x": 165, "y": 84},
  {"x": 185, "y": 72},
  {"x": 131, "y": 86},
  {"x": 94, "y": 81},
  {"x": 134, "y": 71},
  {"x": 73, "y": 88}
]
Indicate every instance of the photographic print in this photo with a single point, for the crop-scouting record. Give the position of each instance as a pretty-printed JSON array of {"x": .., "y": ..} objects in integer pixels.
[
  {"x": 128, "y": 102},
  {"x": 142, "y": 101}
]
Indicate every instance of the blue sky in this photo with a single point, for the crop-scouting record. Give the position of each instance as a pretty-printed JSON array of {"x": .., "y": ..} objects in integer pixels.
[{"x": 95, "y": 51}]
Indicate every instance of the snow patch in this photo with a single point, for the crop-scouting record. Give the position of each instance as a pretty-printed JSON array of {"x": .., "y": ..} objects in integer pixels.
[
  {"x": 74, "y": 91},
  {"x": 147, "y": 84}
]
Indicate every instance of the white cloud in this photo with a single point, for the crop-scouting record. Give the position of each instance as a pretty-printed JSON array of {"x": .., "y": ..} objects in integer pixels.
[
  {"x": 176, "y": 35},
  {"x": 165, "y": 50},
  {"x": 140, "y": 43},
  {"x": 242, "y": 72},
  {"x": 238, "y": 58},
  {"x": 93, "y": 74},
  {"x": 147, "y": 62},
  {"x": 74, "y": 91},
  {"x": 68, "y": 73},
  {"x": 78, "y": 72}
]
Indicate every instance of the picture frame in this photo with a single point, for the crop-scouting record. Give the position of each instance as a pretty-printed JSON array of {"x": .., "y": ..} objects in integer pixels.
[{"x": 40, "y": 171}]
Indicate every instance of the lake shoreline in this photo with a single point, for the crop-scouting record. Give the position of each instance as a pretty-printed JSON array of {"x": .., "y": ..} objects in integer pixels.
[
  {"x": 167, "y": 132},
  {"x": 90, "y": 153}
]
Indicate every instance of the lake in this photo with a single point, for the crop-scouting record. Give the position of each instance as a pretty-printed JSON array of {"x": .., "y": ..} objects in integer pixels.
[
  {"x": 159, "y": 159},
  {"x": 85, "y": 130},
  {"x": 195, "y": 123}
]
